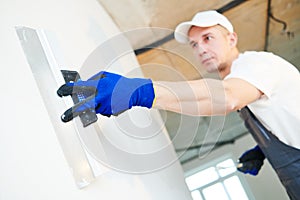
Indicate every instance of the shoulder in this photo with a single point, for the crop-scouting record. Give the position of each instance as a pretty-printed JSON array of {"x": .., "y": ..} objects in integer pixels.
[
  {"x": 260, "y": 63},
  {"x": 262, "y": 59},
  {"x": 254, "y": 58},
  {"x": 256, "y": 54},
  {"x": 266, "y": 71}
]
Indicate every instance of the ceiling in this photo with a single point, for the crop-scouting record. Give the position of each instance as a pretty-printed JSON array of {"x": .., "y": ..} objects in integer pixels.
[{"x": 149, "y": 26}]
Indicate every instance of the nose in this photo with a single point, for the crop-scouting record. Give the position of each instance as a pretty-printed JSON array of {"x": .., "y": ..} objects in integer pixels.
[{"x": 201, "y": 50}]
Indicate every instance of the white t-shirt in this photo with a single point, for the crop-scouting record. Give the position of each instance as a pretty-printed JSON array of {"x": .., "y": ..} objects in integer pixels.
[{"x": 279, "y": 108}]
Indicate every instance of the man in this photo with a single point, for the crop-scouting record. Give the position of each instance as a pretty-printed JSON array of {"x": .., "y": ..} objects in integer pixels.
[{"x": 268, "y": 85}]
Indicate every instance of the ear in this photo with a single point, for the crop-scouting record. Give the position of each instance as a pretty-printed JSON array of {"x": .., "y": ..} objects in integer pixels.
[{"x": 233, "y": 39}]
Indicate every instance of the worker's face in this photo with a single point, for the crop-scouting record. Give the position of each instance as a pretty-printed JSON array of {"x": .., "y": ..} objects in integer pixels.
[{"x": 212, "y": 46}]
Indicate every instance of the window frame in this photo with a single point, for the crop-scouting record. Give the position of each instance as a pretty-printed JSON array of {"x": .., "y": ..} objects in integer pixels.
[{"x": 214, "y": 163}]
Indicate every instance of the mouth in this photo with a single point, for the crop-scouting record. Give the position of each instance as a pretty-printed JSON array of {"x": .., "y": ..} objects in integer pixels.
[{"x": 206, "y": 60}]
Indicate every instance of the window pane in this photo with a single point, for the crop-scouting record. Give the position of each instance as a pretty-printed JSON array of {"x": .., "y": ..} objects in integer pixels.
[
  {"x": 214, "y": 192},
  {"x": 226, "y": 167},
  {"x": 235, "y": 188},
  {"x": 201, "y": 178},
  {"x": 196, "y": 195}
]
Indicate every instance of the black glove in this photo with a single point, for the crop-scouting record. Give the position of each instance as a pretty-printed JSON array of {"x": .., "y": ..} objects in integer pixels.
[{"x": 251, "y": 161}]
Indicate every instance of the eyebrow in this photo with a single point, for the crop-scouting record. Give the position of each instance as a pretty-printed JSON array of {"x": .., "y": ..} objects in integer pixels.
[
  {"x": 192, "y": 42},
  {"x": 203, "y": 36},
  {"x": 206, "y": 34}
]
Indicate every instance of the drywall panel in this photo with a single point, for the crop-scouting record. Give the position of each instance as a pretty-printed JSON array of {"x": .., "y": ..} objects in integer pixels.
[{"x": 33, "y": 163}]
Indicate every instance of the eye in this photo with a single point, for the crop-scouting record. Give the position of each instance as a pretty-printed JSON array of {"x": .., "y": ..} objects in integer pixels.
[
  {"x": 194, "y": 45},
  {"x": 207, "y": 38}
]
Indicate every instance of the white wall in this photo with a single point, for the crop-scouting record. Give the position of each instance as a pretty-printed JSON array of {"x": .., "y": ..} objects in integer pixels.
[
  {"x": 265, "y": 185},
  {"x": 32, "y": 164}
]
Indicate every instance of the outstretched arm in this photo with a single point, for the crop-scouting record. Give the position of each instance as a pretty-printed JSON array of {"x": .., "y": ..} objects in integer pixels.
[
  {"x": 204, "y": 97},
  {"x": 112, "y": 94}
]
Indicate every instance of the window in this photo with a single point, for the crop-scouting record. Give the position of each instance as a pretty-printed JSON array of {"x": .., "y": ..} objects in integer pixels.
[{"x": 219, "y": 180}]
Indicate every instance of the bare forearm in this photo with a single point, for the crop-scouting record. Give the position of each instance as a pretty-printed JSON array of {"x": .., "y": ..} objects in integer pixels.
[{"x": 201, "y": 97}]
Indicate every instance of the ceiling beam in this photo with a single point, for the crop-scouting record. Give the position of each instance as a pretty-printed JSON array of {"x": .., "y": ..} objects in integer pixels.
[{"x": 169, "y": 37}]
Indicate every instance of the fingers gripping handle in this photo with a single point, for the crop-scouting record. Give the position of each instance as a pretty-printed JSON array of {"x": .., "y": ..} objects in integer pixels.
[
  {"x": 87, "y": 114},
  {"x": 83, "y": 109}
]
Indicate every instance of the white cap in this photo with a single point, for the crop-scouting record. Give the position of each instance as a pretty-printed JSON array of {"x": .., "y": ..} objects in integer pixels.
[{"x": 201, "y": 19}]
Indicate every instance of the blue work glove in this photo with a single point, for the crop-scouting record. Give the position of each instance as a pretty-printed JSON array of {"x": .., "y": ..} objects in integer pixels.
[
  {"x": 251, "y": 161},
  {"x": 108, "y": 94}
]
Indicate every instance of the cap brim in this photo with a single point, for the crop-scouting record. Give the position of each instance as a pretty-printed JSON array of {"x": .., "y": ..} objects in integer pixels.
[{"x": 181, "y": 31}]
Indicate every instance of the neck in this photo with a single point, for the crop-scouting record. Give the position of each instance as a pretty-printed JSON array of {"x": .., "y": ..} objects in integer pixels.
[{"x": 226, "y": 68}]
